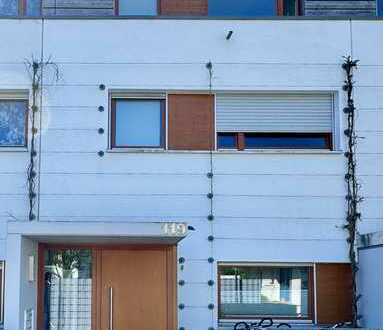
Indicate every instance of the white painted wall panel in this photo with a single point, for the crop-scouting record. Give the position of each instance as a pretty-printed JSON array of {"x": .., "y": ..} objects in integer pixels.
[
  {"x": 274, "y": 184},
  {"x": 114, "y": 205},
  {"x": 266, "y": 206}
]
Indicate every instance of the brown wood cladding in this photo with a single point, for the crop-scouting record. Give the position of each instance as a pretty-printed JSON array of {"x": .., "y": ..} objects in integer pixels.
[
  {"x": 191, "y": 122},
  {"x": 334, "y": 296},
  {"x": 183, "y": 7}
]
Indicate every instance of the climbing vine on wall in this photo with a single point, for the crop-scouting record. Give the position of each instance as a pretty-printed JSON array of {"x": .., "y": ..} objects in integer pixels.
[
  {"x": 36, "y": 70},
  {"x": 353, "y": 197}
]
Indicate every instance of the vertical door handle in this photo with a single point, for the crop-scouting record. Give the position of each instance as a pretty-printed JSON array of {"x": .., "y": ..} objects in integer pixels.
[{"x": 110, "y": 308}]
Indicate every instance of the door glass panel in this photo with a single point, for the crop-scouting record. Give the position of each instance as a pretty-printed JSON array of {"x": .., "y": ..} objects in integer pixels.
[{"x": 68, "y": 289}]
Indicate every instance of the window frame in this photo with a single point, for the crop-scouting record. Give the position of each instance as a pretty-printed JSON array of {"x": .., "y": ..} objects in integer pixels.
[
  {"x": 112, "y": 134},
  {"x": 241, "y": 144},
  {"x": 311, "y": 290},
  {"x": 26, "y": 121}
]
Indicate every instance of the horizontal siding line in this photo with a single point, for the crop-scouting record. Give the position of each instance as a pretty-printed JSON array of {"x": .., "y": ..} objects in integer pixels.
[
  {"x": 279, "y": 239},
  {"x": 54, "y": 196},
  {"x": 203, "y": 174},
  {"x": 179, "y": 86},
  {"x": 175, "y": 195},
  {"x": 202, "y": 63}
]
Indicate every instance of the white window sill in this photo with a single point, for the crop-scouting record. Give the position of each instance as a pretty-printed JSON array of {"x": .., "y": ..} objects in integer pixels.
[
  {"x": 13, "y": 149},
  {"x": 230, "y": 151}
]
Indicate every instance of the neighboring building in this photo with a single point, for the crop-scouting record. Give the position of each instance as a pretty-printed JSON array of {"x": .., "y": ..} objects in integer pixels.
[
  {"x": 371, "y": 273},
  {"x": 185, "y": 170}
]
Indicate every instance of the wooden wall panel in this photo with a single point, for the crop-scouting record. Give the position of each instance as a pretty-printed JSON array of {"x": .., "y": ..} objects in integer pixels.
[
  {"x": 334, "y": 295},
  {"x": 191, "y": 122},
  {"x": 184, "y": 7}
]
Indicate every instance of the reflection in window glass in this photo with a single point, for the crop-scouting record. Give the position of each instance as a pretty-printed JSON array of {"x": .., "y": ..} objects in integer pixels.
[
  {"x": 68, "y": 289},
  {"x": 9, "y": 7},
  {"x": 137, "y": 7},
  {"x": 227, "y": 141},
  {"x": 287, "y": 141},
  {"x": 12, "y": 123},
  {"x": 244, "y": 8},
  {"x": 264, "y": 291},
  {"x": 138, "y": 123},
  {"x": 33, "y": 8}
]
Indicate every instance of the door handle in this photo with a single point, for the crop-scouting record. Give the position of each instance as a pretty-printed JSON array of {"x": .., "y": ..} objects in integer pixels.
[{"x": 111, "y": 308}]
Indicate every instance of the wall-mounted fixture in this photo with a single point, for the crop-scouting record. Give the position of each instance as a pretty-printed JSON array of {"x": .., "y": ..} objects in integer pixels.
[{"x": 229, "y": 35}]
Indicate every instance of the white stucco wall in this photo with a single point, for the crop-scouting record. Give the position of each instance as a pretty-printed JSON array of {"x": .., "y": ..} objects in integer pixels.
[{"x": 268, "y": 206}]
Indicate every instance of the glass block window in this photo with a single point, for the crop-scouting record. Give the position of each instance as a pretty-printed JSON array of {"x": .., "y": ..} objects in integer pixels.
[
  {"x": 13, "y": 123},
  {"x": 68, "y": 289},
  {"x": 264, "y": 291}
]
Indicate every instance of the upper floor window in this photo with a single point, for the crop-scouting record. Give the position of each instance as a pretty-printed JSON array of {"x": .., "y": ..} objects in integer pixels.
[
  {"x": 13, "y": 122},
  {"x": 137, "y": 7},
  {"x": 249, "y": 8},
  {"x": 275, "y": 121},
  {"x": 20, "y": 7},
  {"x": 380, "y": 7},
  {"x": 248, "y": 291},
  {"x": 137, "y": 123}
]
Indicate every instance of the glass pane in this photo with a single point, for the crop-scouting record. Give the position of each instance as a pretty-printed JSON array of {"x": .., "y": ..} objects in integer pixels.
[
  {"x": 33, "y": 8},
  {"x": 9, "y": 7},
  {"x": 242, "y": 8},
  {"x": 264, "y": 291},
  {"x": 68, "y": 289},
  {"x": 227, "y": 141},
  {"x": 137, "y": 7},
  {"x": 138, "y": 123},
  {"x": 289, "y": 8},
  {"x": 12, "y": 123},
  {"x": 285, "y": 142},
  {"x": 380, "y": 7}
]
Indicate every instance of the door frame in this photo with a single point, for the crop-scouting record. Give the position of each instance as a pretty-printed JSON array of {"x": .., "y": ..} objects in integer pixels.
[{"x": 171, "y": 278}]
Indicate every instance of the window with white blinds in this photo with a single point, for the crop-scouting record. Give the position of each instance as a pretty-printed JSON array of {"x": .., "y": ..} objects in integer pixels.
[{"x": 275, "y": 112}]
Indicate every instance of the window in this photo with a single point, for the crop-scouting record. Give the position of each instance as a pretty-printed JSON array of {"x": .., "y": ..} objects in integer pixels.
[
  {"x": 138, "y": 123},
  {"x": 20, "y": 7},
  {"x": 251, "y": 8},
  {"x": 227, "y": 141},
  {"x": 13, "y": 123},
  {"x": 253, "y": 291},
  {"x": 67, "y": 289},
  {"x": 275, "y": 121},
  {"x": 380, "y": 7},
  {"x": 137, "y": 7}
]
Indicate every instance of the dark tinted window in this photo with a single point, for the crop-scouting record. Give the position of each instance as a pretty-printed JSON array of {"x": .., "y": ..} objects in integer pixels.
[
  {"x": 242, "y": 8},
  {"x": 287, "y": 141},
  {"x": 227, "y": 141},
  {"x": 380, "y": 7}
]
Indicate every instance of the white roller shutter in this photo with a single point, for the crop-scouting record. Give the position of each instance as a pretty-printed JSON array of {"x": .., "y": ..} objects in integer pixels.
[{"x": 279, "y": 112}]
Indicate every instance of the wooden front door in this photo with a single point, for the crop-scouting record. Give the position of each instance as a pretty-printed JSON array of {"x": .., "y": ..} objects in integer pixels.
[
  {"x": 107, "y": 287},
  {"x": 137, "y": 289}
]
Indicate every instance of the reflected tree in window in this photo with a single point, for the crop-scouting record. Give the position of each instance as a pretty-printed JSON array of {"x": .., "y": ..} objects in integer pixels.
[
  {"x": 9, "y": 7},
  {"x": 12, "y": 123}
]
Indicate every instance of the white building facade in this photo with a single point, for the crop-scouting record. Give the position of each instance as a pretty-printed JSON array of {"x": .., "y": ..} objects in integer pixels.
[{"x": 220, "y": 226}]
